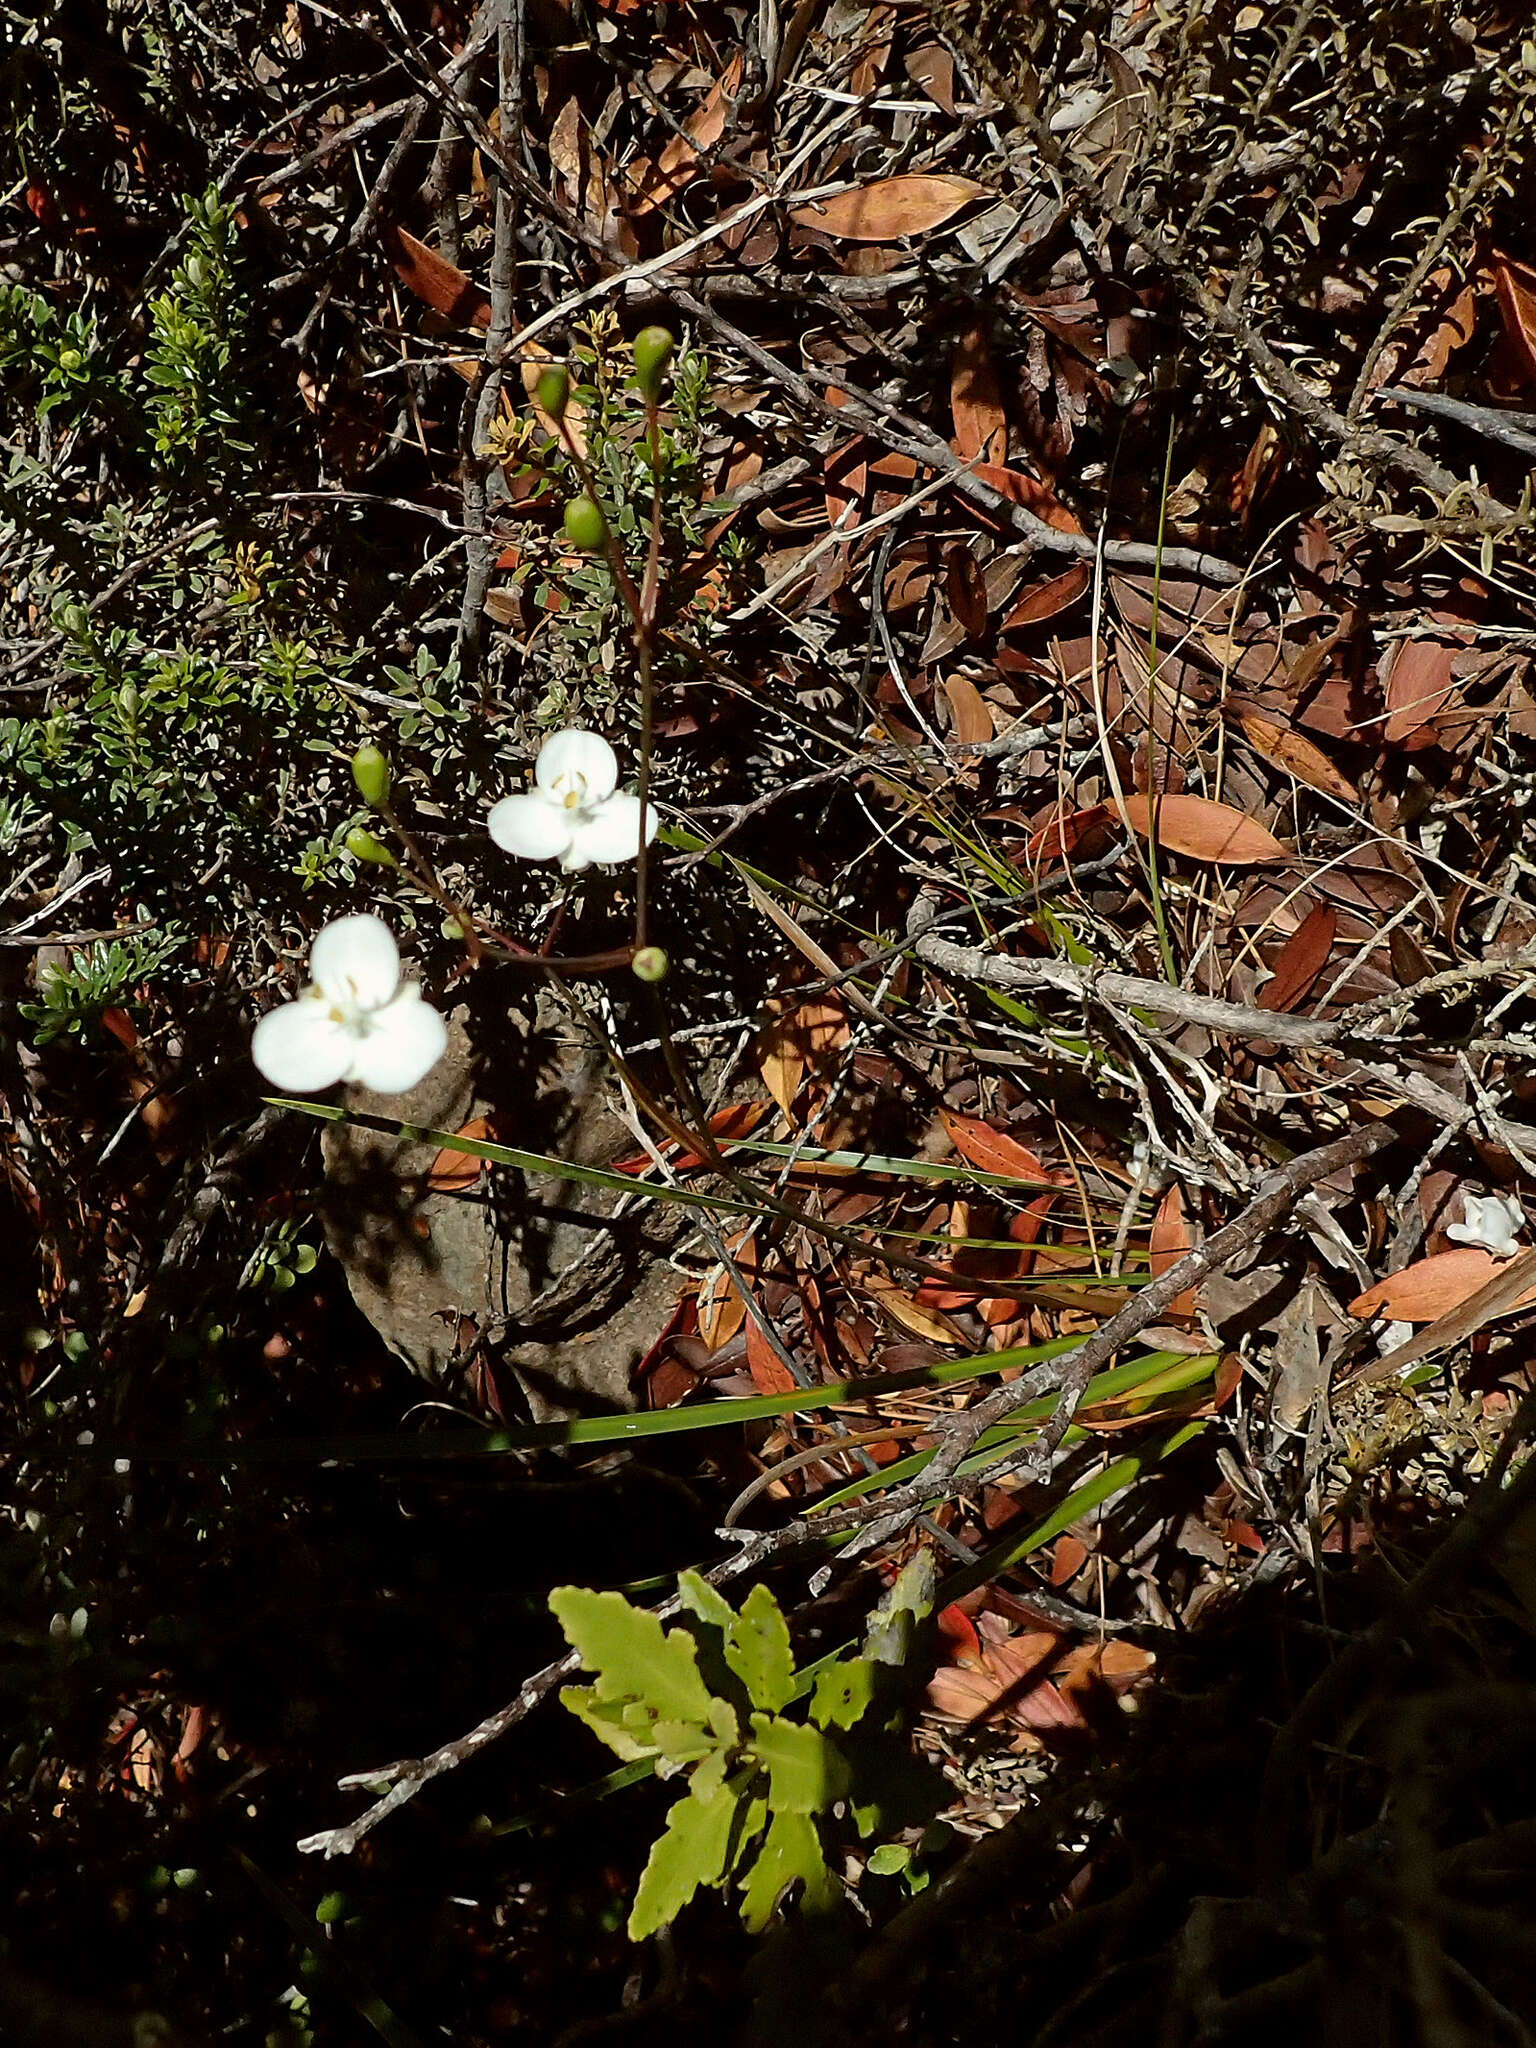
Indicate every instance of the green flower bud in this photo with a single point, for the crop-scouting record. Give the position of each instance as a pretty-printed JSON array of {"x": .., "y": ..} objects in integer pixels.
[
  {"x": 650, "y": 964},
  {"x": 370, "y": 771},
  {"x": 585, "y": 525},
  {"x": 653, "y": 348},
  {"x": 362, "y": 845},
  {"x": 70, "y": 359},
  {"x": 552, "y": 391}
]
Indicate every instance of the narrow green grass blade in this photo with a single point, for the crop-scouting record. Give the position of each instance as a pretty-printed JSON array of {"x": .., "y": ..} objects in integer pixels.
[{"x": 1115, "y": 1478}]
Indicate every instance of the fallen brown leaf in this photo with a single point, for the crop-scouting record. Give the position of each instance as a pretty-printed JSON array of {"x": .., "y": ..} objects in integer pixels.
[
  {"x": 891, "y": 208},
  {"x": 1202, "y": 830}
]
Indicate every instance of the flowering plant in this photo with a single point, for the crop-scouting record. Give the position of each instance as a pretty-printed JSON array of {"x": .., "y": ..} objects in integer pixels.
[
  {"x": 575, "y": 813},
  {"x": 357, "y": 1021}
]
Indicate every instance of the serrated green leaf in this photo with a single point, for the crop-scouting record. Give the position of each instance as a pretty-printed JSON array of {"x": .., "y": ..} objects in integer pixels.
[
  {"x": 757, "y": 1650},
  {"x": 699, "y": 1597},
  {"x": 805, "y": 1771},
  {"x": 843, "y": 1693},
  {"x": 791, "y": 1851},
  {"x": 632, "y": 1655},
  {"x": 723, "y": 1721},
  {"x": 606, "y": 1720},
  {"x": 690, "y": 1852}
]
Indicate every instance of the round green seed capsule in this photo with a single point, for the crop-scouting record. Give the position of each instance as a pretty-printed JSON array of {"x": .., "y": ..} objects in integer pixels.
[
  {"x": 650, "y": 964},
  {"x": 362, "y": 845},
  {"x": 552, "y": 391},
  {"x": 585, "y": 526},
  {"x": 653, "y": 348},
  {"x": 370, "y": 771}
]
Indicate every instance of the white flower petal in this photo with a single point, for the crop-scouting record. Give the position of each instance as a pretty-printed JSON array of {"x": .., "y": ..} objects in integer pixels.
[
  {"x": 300, "y": 1046},
  {"x": 532, "y": 827},
  {"x": 356, "y": 960},
  {"x": 608, "y": 832},
  {"x": 403, "y": 1042},
  {"x": 1489, "y": 1221},
  {"x": 572, "y": 753}
]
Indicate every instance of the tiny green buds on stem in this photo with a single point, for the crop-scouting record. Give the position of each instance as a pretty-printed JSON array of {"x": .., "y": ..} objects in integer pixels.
[
  {"x": 552, "y": 391},
  {"x": 370, "y": 771},
  {"x": 650, "y": 964},
  {"x": 585, "y": 526},
  {"x": 653, "y": 348},
  {"x": 362, "y": 845}
]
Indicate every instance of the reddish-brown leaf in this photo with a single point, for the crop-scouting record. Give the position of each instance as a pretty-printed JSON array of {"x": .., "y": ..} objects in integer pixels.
[
  {"x": 1170, "y": 1240},
  {"x": 1516, "y": 287},
  {"x": 1029, "y": 492},
  {"x": 1297, "y": 755},
  {"x": 722, "y": 1310},
  {"x": 1301, "y": 959},
  {"x": 1046, "y": 599},
  {"x": 993, "y": 1151},
  {"x": 1432, "y": 1287},
  {"x": 452, "y": 1172},
  {"x": 981, "y": 425},
  {"x": 1063, "y": 835},
  {"x": 660, "y": 183},
  {"x": 891, "y": 208},
  {"x": 725, "y": 1125},
  {"x": 801, "y": 1040},
  {"x": 769, "y": 1373},
  {"x": 1202, "y": 830},
  {"x": 932, "y": 70},
  {"x": 444, "y": 287},
  {"x": 970, "y": 711},
  {"x": 1417, "y": 685}
]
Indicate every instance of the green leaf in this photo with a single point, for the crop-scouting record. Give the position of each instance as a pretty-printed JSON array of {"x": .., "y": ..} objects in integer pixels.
[
  {"x": 606, "y": 1720},
  {"x": 843, "y": 1693},
  {"x": 805, "y": 1771},
  {"x": 791, "y": 1852},
  {"x": 699, "y": 1597},
  {"x": 690, "y": 1852},
  {"x": 888, "y": 1859},
  {"x": 757, "y": 1650},
  {"x": 683, "y": 1742},
  {"x": 894, "y": 1622},
  {"x": 723, "y": 1721},
  {"x": 633, "y": 1656}
]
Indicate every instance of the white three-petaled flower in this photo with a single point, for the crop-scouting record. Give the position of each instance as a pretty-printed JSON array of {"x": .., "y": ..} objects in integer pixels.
[
  {"x": 575, "y": 813},
  {"x": 357, "y": 1021},
  {"x": 1491, "y": 1222}
]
